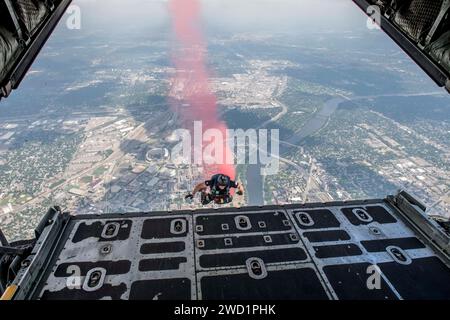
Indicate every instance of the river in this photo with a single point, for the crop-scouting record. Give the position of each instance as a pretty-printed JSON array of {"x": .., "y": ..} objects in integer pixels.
[{"x": 255, "y": 183}]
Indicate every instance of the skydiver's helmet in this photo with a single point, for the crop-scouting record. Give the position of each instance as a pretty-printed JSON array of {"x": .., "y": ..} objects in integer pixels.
[{"x": 222, "y": 181}]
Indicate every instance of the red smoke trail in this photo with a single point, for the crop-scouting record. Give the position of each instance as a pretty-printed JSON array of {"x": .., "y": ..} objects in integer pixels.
[{"x": 190, "y": 85}]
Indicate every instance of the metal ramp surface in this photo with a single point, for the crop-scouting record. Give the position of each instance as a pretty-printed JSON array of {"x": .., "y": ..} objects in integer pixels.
[{"x": 317, "y": 251}]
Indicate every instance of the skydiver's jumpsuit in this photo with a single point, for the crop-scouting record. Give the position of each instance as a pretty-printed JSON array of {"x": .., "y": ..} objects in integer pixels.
[{"x": 216, "y": 194}]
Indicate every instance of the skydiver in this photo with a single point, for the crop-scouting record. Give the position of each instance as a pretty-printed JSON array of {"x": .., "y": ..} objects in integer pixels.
[{"x": 219, "y": 190}]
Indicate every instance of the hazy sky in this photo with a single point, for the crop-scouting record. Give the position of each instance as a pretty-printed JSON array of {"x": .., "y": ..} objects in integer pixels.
[{"x": 227, "y": 15}]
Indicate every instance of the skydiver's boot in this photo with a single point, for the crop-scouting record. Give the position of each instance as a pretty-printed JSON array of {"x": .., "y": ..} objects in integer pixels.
[
  {"x": 206, "y": 198},
  {"x": 228, "y": 199}
]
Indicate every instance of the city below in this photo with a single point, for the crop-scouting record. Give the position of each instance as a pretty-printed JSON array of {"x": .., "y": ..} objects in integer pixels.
[{"x": 107, "y": 147}]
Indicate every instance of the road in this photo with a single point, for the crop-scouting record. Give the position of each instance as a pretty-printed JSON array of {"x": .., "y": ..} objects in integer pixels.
[{"x": 117, "y": 154}]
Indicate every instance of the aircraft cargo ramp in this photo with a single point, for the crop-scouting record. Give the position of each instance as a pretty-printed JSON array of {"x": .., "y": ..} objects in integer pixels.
[{"x": 313, "y": 251}]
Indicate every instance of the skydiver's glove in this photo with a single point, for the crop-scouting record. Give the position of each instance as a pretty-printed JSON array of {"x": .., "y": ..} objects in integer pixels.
[{"x": 189, "y": 196}]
